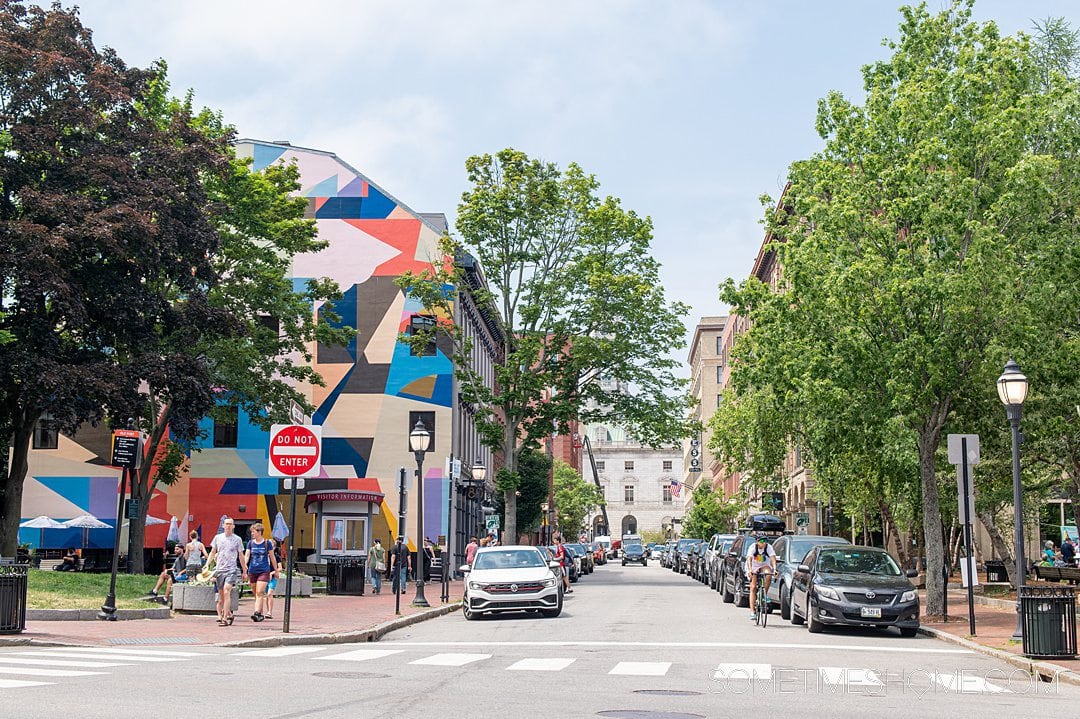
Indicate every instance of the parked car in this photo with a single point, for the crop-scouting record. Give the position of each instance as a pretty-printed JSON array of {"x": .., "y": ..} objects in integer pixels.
[
  {"x": 511, "y": 578},
  {"x": 605, "y": 541},
  {"x": 668, "y": 556},
  {"x": 599, "y": 553},
  {"x": 713, "y": 551},
  {"x": 790, "y": 551},
  {"x": 634, "y": 552},
  {"x": 678, "y": 560},
  {"x": 588, "y": 563},
  {"x": 697, "y": 561},
  {"x": 658, "y": 552},
  {"x": 735, "y": 584},
  {"x": 854, "y": 586}
]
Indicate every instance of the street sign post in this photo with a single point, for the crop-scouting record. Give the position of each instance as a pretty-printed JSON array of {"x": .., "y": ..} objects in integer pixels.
[{"x": 964, "y": 452}]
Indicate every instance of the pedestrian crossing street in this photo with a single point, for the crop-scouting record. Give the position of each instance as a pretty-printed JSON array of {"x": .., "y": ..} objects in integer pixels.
[{"x": 37, "y": 667}]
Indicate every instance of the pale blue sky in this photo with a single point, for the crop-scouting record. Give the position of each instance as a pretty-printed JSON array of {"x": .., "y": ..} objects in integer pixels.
[{"x": 687, "y": 110}]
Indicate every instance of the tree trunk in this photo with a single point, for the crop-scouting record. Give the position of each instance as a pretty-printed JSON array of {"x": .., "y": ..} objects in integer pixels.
[
  {"x": 890, "y": 532},
  {"x": 13, "y": 486},
  {"x": 1001, "y": 547},
  {"x": 510, "y": 456},
  {"x": 143, "y": 483},
  {"x": 929, "y": 436}
]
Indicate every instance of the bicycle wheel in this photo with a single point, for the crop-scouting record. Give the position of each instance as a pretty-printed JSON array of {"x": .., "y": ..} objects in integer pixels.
[{"x": 762, "y": 607}]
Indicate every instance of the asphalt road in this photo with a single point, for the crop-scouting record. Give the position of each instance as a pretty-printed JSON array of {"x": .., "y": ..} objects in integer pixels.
[{"x": 634, "y": 642}]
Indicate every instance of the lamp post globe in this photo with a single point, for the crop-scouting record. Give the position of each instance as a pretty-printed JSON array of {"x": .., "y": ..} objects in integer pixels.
[
  {"x": 1012, "y": 388},
  {"x": 479, "y": 472},
  {"x": 419, "y": 441}
]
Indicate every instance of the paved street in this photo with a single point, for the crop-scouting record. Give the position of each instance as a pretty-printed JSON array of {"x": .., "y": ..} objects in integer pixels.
[{"x": 630, "y": 640}]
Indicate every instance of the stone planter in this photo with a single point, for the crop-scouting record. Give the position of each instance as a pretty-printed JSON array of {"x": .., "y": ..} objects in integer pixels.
[
  {"x": 199, "y": 598},
  {"x": 301, "y": 586}
]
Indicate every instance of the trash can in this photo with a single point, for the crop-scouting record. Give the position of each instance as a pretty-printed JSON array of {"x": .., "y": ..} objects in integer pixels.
[
  {"x": 1049, "y": 621},
  {"x": 345, "y": 575},
  {"x": 13, "y": 597},
  {"x": 995, "y": 571}
]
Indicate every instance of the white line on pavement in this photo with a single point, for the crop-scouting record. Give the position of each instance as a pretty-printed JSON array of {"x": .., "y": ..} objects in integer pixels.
[
  {"x": 7, "y": 659},
  {"x": 687, "y": 645},
  {"x": 641, "y": 669},
  {"x": 540, "y": 665},
  {"x": 841, "y": 676},
  {"x": 17, "y": 683},
  {"x": 38, "y": 672},
  {"x": 964, "y": 684},
  {"x": 126, "y": 650},
  {"x": 726, "y": 670},
  {"x": 96, "y": 655},
  {"x": 362, "y": 655},
  {"x": 451, "y": 660},
  {"x": 279, "y": 651}
]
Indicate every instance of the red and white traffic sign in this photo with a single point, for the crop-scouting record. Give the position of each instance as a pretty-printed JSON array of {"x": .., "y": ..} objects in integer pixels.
[{"x": 295, "y": 450}]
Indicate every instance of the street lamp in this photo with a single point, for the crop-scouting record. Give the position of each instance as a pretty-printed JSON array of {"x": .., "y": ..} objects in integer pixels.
[
  {"x": 1012, "y": 387},
  {"x": 419, "y": 440}
]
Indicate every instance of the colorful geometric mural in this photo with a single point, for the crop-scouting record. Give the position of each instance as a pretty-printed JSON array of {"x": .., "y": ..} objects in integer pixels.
[{"x": 372, "y": 385}]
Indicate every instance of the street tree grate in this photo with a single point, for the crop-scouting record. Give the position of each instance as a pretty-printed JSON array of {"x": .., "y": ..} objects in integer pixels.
[{"x": 153, "y": 640}]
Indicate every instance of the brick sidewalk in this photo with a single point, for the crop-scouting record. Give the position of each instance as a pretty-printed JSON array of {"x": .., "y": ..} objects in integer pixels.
[{"x": 316, "y": 615}]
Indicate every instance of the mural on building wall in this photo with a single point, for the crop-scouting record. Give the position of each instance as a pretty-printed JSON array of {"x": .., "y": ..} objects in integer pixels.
[{"x": 376, "y": 387}]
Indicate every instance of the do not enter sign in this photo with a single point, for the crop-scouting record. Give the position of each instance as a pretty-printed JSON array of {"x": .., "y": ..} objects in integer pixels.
[{"x": 295, "y": 450}]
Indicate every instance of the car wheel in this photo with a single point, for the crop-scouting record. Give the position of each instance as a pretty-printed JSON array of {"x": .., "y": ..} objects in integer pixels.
[
  {"x": 908, "y": 632},
  {"x": 785, "y": 603},
  {"x": 742, "y": 597},
  {"x": 796, "y": 618},
  {"x": 573, "y": 578},
  {"x": 467, "y": 612},
  {"x": 624, "y": 562},
  {"x": 644, "y": 563},
  {"x": 556, "y": 611},
  {"x": 813, "y": 624},
  {"x": 728, "y": 597}
]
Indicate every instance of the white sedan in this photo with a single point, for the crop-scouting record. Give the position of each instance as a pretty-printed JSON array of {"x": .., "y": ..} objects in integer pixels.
[{"x": 514, "y": 578}]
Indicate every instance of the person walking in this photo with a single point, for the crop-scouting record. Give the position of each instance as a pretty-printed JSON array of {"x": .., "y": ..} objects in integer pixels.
[
  {"x": 376, "y": 561},
  {"x": 470, "y": 550},
  {"x": 196, "y": 554},
  {"x": 271, "y": 586},
  {"x": 261, "y": 566},
  {"x": 564, "y": 561},
  {"x": 1068, "y": 552},
  {"x": 400, "y": 564},
  {"x": 427, "y": 559},
  {"x": 227, "y": 549}
]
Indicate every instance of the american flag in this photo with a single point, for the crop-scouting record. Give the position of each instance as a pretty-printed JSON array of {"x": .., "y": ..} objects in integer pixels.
[{"x": 676, "y": 487}]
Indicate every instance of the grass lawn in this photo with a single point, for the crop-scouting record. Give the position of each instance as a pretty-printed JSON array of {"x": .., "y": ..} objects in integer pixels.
[{"x": 47, "y": 589}]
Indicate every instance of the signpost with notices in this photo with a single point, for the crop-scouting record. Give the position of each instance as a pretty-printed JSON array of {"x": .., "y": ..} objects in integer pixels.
[{"x": 964, "y": 453}]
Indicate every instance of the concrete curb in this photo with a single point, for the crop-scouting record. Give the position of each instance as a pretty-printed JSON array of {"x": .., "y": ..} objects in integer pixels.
[
  {"x": 372, "y": 634},
  {"x": 1044, "y": 670},
  {"x": 87, "y": 615},
  {"x": 983, "y": 601}
]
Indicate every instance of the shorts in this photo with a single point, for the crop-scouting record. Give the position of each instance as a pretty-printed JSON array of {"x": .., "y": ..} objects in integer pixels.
[
  {"x": 221, "y": 579},
  {"x": 260, "y": 577},
  {"x": 766, "y": 570},
  {"x": 272, "y": 584}
]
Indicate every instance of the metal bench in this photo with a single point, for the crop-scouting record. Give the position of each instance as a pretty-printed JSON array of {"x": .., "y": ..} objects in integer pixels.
[
  {"x": 312, "y": 569},
  {"x": 1058, "y": 574}
]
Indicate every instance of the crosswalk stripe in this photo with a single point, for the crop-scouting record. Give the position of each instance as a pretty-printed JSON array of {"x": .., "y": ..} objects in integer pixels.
[
  {"x": 969, "y": 685},
  {"x": 39, "y": 672},
  {"x": 362, "y": 655},
  {"x": 17, "y": 683},
  {"x": 726, "y": 670},
  {"x": 641, "y": 669},
  {"x": 7, "y": 659},
  {"x": 126, "y": 650},
  {"x": 837, "y": 676},
  {"x": 95, "y": 655},
  {"x": 451, "y": 660},
  {"x": 552, "y": 664},
  {"x": 279, "y": 651}
]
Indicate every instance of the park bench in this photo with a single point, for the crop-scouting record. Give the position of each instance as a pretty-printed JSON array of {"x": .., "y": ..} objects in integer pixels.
[
  {"x": 312, "y": 569},
  {"x": 1058, "y": 574}
]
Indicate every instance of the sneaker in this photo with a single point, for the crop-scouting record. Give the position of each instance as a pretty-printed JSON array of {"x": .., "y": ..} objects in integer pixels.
[{"x": 753, "y": 616}]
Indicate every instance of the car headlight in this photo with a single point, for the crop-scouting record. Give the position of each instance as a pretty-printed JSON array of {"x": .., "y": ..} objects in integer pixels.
[
  {"x": 827, "y": 592},
  {"x": 908, "y": 596},
  {"x": 549, "y": 582},
  {"x": 477, "y": 585}
]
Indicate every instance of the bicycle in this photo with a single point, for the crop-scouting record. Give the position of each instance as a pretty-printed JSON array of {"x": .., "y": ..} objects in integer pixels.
[{"x": 761, "y": 602}]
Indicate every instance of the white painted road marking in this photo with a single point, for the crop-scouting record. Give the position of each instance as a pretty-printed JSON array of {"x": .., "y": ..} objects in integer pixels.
[
  {"x": 689, "y": 645},
  {"x": 95, "y": 655},
  {"x": 727, "y": 670},
  {"x": 17, "y": 683},
  {"x": 451, "y": 660},
  {"x": 362, "y": 655},
  {"x": 126, "y": 650},
  {"x": 968, "y": 685},
  {"x": 842, "y": 676},
  {"x": 61, "y": 663},
  {"x": 38, "y": 672},
  {"x": 553, "y": 664},
  {"x": 279, "y": 651},
  {"x": 641, "y": 669}
]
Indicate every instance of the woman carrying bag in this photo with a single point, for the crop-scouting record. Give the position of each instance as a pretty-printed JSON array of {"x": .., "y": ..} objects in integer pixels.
[{"x": 376, "y": 561}]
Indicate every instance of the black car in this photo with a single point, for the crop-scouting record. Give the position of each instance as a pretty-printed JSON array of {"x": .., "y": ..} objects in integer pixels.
[
  {"x": 697, "y": 561},
  {"x": 854, "y": 586},
  {"x": 734, "y": 584},
  {"x": 790, "y": 551},
  {"x": 634, "y": 552},
  {"x": 678, "y": 559},
  {"x": 588, "y": 562}
]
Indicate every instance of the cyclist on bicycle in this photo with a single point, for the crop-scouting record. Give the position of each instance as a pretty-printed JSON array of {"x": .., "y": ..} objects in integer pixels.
[{"x": 760, "y": 561}]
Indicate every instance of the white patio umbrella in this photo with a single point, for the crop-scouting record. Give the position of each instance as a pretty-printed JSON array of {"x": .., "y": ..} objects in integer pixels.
[
  {"x": 86, "y": 522},
  {"x": 42, "y": 522},
  {"x": 280, "y": 530},
  {"x": 174, "y": 531},
  {"x": 150, "y": 521}
]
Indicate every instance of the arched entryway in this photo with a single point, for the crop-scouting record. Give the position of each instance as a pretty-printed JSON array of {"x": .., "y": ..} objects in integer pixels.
[
  {"x": 629, "y": 524},
  {"x": 598, "y": 526}
]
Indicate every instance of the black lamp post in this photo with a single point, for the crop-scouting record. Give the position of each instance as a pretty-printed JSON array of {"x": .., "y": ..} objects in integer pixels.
[
  {"x": 1012, "y": 387},
  {"x": 419, "y": 440}
]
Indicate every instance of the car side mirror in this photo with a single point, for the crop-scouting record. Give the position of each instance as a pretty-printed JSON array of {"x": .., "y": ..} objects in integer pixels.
[
  {"x": 804, "y": 568},
  {"x": 554, "y": 565},
  {"x": 465, "y": 568},
  {"x": 912, "y": 573}
]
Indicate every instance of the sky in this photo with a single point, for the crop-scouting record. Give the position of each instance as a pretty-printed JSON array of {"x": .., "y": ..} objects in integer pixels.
[{"x": 687, "y": 110}]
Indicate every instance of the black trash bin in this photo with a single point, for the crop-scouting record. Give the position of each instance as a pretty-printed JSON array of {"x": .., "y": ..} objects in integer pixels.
[
  {"x": 995, "y": 571},
  {"x": 1049, "y": 621},
  {"x": 345, "y": 575},
  {"x": 13, "y": 597}
]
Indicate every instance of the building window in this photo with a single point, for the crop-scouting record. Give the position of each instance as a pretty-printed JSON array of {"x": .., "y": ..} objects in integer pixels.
[
  {"x": 667, "y": 465},
  {"x": 719, "y": 345},
  {"x": 667, "y": 494},
  {"x": 344, "y": 535},
  {"x": 600, "y": 465},
  {"x": 719, "y": 399},
  {"x": 422, "y": 323},
  {"x": 719, "y": 374},
  {"x": 628, "y": 493},
  {"x": 45, "y": 434},
  {"x": 225, "y": 423},
  {"x": 628, "y": 465}
]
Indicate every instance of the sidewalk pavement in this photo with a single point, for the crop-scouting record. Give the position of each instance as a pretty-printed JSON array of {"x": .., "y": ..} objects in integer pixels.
[
  {"x": 995, "y": 621},
  {"x": 319, "y": 619}
]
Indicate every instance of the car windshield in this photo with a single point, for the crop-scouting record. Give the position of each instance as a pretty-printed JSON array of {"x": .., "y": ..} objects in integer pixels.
[
  {"x": 508, "y": 559},
  {"x": 633, "y": 547},
  {"x": 857, "y": 561},
  {"x": 685, "y": 543},
  {"x": 799, "y": 548}
]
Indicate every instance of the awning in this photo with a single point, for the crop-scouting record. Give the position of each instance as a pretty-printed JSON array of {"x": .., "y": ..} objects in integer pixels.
[{"x": 343, "y": 495}]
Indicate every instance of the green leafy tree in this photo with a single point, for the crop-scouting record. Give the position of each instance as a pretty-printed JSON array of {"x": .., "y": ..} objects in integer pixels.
[
  {"x": 578, "y": 302},
  {"x": 901, "y": 245},
  {"x": 574, "y": 499},
  {"x": 710, "y": 513},
  {"x": 534, "y": 469}
]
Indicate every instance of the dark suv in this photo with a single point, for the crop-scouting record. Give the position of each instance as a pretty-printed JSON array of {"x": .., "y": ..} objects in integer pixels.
[
  {"x": 634, "y": 552},
  {"x": 681, "y": 549},
  {"x": 735, "y": 585}
]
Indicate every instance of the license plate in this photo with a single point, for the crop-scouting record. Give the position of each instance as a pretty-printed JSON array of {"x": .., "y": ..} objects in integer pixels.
[{"x": 872, "y": 612}]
